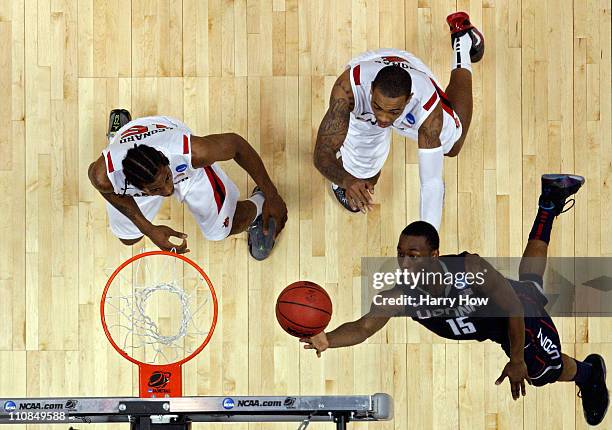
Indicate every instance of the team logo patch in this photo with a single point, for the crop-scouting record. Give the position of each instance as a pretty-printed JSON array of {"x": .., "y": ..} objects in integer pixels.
[
  {"x": 181, "y": 167},
  {"x": 410, "y": 118}
]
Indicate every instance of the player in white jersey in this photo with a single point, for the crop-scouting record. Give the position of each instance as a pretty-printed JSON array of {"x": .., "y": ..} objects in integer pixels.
[
  {"x": 392, "y": 89},
  {"x": 155, "y": 157}
]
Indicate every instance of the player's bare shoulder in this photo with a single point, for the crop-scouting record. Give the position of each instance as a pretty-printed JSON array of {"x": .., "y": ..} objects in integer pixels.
[
  {"x": 98, "y": 177},
  {"x": 342, "y": 89}
]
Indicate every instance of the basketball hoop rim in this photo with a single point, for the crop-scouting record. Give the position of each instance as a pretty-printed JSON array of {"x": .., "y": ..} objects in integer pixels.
[{"x": 186, "y": 260}]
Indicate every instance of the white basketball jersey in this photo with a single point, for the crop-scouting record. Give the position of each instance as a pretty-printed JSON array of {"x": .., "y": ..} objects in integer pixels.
[
  {"x": 426, "y": 93},
  {"x": 168, "y": 135}
]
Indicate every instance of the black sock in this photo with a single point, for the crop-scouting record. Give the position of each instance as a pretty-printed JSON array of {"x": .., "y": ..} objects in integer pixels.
[
  {"x": 542, "y": 225},
  {"x": 583, "y": 372}
]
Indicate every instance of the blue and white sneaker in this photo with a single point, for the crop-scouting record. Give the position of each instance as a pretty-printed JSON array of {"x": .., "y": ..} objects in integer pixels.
[{"x": 260, "y": 245}]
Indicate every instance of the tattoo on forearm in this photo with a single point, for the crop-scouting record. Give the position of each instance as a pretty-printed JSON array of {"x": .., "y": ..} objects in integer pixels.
[
  {"x": 336, "y": 120},
  {"x": 331, "y": 135}
]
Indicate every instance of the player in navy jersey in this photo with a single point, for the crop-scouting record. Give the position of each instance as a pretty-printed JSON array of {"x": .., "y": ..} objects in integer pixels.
[{"x": 511, "y": 313}]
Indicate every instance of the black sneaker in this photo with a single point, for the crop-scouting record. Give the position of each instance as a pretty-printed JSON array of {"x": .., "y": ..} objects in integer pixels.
[
  {"x": 556, "y": 188},
  {"x": 594, "y": 393},
  {"x": 117, "y": 119},
  {"x": 340, "y": 194},
  {"x": 260, "y": 245}
]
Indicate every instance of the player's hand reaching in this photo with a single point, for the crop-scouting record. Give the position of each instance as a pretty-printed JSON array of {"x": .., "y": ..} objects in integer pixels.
[
  {"x": 517, "y": 375},
  {"x": 274, "y": 207},
  {"x": 359, "y": 194},
  {"x": 317, "y": 342},
  {"x": 160, "y": 235}
]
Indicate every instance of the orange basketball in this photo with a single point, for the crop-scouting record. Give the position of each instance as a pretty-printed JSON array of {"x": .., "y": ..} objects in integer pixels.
[{"x": 303, "y": 309}]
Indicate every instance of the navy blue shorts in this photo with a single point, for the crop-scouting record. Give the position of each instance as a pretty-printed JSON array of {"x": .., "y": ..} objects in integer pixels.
[{"x": 542, "y": 343}]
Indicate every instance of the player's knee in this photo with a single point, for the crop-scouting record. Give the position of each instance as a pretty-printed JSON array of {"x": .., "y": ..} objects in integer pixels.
[
  {"x": 550, "y": 376},
  {"x": 129, "y": 242}
]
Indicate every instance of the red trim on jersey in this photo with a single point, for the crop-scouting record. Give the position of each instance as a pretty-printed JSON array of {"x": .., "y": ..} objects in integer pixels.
[
  {"x": 217, "y": 186},
  {"x": 136, "y": 129},
  {"x": 539, "y": 359},
  {"x": 185, "y": 144},
  {"x": 395, "y": 59},
  {"x": 446, "y": 104},
  {"x": 356, "y": 73},
  {"x": 160, "y": 126},
  {"x": 448, "y": 110},
  {"x": 548, "y": 325},
  {"x": 431, "y": 101},
  {"x": 109, "y": 163}
]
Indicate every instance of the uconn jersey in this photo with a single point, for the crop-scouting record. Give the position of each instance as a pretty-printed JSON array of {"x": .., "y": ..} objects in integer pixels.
[{"x": 542, "y": 348}]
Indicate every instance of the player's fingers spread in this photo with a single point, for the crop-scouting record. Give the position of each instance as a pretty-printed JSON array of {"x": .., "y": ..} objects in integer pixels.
[
  {"x": 523, "y": 390},
  {"x": 500, "y": 379},
  {"x": 370, "y": 187},
  {"x": 318, "y": 353},
  {"x": 365, "y": 195}
]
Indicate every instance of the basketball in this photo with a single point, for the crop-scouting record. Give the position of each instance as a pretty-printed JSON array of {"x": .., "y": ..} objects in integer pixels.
[{"x": 303, "y": 309}]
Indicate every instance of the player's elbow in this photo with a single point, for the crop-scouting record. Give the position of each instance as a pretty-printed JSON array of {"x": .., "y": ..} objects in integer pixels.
[
  {"x": 452, "y": 154},
  {"x": 93, "y": 175},
  {"x": 368, "y": 328}
]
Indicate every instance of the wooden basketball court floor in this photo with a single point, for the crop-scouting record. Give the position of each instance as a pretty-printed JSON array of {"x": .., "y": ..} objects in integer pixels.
[{"x": 264, "y": 68}]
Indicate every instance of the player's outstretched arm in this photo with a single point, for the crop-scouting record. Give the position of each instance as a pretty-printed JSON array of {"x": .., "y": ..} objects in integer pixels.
[
  {"x": 355, "y": 332},
  {"x": 209, "y": 149},
  {"x": 497, "y": 288},
  {"x": 431, "y": 167}
]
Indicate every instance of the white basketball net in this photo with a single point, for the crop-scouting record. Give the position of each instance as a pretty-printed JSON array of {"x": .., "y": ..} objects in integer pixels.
[{"x": 158, "y": 311}]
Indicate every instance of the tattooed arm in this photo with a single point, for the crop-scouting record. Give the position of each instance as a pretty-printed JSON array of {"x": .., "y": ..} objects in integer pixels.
[
  {"x": 331, "y": 136},
  {"x": 431, "y": 164},
  {"x": 333, "y": 130}
]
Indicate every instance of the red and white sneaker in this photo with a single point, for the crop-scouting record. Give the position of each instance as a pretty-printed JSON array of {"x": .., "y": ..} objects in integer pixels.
[{"x": 460, "y": 24}]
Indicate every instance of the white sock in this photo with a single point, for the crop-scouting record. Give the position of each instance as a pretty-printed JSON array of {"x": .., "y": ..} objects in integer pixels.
[
  {"x": 461, "y": 53},
  {"x": 258, "y": 200}
]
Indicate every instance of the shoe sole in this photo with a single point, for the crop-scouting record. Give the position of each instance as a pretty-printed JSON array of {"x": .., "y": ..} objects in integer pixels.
[
  {"x": 268, "y": 241},
  {"x": 603, "y": 368}
]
